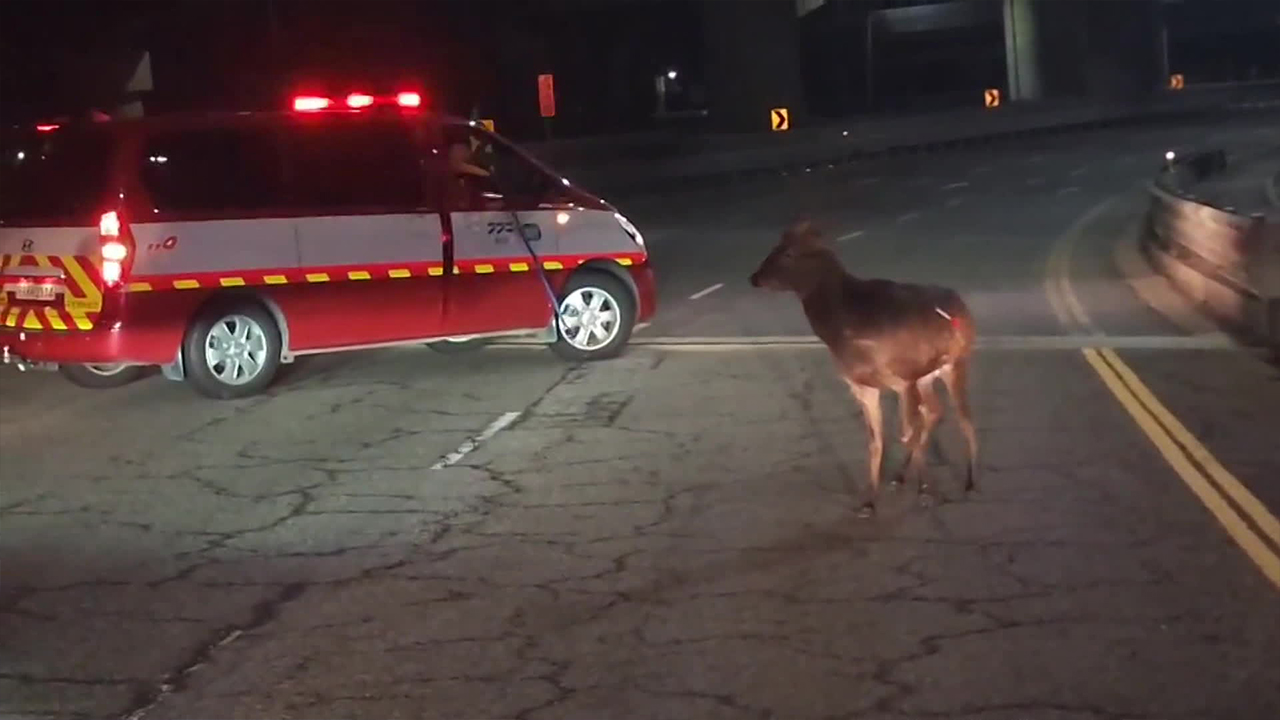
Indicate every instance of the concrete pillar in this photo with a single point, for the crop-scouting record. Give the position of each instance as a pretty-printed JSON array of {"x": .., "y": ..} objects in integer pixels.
[
  {"x": 1097, "y": 50},
  {"x": 752, "y": 64},
  {"x": 1022, "y": 50},
  {"x": 804, "y": 7},
  {"x": 1125, "y": 53}
]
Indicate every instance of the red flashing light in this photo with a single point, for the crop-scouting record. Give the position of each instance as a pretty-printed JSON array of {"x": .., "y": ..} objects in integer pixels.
[
  {"x": 359, "y": 100},
  {"x": 309, "y": 103},
  {"x": 408, "y": 99},
  {"x": 47, "y": 127}
]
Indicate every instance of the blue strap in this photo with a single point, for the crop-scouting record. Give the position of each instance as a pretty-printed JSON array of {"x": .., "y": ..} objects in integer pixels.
[{"x": 542, "y": 274}]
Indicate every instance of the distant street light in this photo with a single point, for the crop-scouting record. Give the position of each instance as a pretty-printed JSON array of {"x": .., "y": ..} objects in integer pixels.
[{"x": 672, "y": 74}]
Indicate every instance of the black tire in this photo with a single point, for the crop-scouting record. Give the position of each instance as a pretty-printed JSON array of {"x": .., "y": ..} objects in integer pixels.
[
  {"x": 102, "y": 376},
  {"x": 202, "y": 377},
  {"x": 620, "y": 297},
  {"x": 457, "y": 347}
]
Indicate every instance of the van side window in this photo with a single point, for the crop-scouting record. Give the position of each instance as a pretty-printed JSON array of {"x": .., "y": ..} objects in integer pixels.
[
  {"x": 218, "y": 170},
  {"x": 508, "y": 172},
  {"x": 348, "y": 165}
]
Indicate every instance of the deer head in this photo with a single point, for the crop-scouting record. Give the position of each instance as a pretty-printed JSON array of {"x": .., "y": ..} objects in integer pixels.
[{"x": 799, "y": 259}]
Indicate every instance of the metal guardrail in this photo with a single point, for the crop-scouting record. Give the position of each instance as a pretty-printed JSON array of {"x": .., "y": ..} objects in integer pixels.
[{"x": 1225, "y": 261}]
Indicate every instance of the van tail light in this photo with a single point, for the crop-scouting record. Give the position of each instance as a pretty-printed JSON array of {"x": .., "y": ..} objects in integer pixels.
[
  {"x": 409, "y": 99},
  {"x": 109, "y": 225},
  {"x": 115, "y": 249}
]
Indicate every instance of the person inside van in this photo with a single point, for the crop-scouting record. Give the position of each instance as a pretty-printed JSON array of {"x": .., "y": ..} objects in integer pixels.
[
  {"x": 467, "y": 180},
  {"x": 460, "y": 161}
]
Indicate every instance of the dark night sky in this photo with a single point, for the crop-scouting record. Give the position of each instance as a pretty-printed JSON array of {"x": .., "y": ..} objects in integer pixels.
[
  {"x": 64, "y": 55},
  {"x": 249, "y": 53}
]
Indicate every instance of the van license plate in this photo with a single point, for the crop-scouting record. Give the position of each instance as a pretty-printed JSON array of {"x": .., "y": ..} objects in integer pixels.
[{"x": 38, "y": 292}]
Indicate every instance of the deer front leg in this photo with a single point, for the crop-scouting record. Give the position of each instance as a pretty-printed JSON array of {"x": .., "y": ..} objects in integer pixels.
[{"x": 869, "y": 399}]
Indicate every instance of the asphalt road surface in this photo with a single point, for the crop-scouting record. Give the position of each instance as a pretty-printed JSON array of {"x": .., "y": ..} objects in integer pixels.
[{"x": 673, "y": 534}]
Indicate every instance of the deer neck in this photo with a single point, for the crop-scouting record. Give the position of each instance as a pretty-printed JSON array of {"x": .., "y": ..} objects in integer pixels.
[{"x": 827, "y": 280}]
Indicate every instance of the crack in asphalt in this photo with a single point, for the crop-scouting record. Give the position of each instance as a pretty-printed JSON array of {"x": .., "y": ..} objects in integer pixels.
[
  {"x": 264, "y": 612},
  {"x": 522, "y": 583}
]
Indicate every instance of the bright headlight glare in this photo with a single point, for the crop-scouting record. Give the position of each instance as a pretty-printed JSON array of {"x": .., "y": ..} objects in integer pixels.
[{"x": 630, "y": 229}]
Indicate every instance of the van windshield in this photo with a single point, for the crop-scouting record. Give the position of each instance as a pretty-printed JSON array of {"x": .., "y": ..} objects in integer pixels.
[{"x": 56, "y": 176}]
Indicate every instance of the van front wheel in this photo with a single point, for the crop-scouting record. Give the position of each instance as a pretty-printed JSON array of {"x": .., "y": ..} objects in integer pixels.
[
  {"x": 102, "y": 376},
  {"x": 597, "y": 314},
  {"x": 232, "y": 351}
]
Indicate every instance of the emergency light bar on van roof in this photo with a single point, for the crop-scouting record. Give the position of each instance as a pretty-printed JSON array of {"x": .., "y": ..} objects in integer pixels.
[
  {"x": 356, "y": 101},
  {"x": 47, "y": 127}
]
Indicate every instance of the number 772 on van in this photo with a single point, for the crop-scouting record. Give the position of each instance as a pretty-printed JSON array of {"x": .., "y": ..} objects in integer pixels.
[{"x": 219, "y": 246}]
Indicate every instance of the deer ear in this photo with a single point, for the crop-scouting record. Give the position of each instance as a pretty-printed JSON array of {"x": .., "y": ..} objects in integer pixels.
[
  {"x": 798, "y": 233},
  {"x": 808, "y": 234}
]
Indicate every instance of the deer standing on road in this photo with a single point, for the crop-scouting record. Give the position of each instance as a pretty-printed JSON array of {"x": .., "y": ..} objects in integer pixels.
[{"x": 882, "y": 335}]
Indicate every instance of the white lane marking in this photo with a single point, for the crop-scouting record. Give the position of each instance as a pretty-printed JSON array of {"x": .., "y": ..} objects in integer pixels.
[
  {"x": 987, "y": 342},
  {"x": 908, "y": 216},
  {"x": 952, "y": 202},
  {"x": 1035, "y": 181},
  {"x": 955, "y": 185},
  {"x": 981, "y": 169},
  {"x": 850, "y": 235},
  {"x": 470, "y": 444},
  {"x": 706, "y": 291},
  {"x": 868, "y": 180},
  {"x": 1079, "y": 171},
  {"x": 1212, "y": 341},
  {"x": 1068, "y": 189}
]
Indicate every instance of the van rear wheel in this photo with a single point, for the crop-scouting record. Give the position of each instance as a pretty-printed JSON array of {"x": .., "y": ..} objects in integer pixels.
[
  {"x": 597, "y": 315},
  {"x": 99, "y": 376},
  {"x": 232, "y": 350}
]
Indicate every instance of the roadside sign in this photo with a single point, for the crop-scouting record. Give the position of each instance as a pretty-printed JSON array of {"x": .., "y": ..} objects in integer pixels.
[
  {"x": 991, "y": 97},
  {"x": 779, "y": 119},
  {"x": 486, "y": 123},
  {"x": 1177, "y": 82},
  {"x": 546, "y": 95}
]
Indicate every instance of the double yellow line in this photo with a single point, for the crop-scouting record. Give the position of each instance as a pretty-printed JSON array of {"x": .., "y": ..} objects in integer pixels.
[{"x": 1254, "y": 528}]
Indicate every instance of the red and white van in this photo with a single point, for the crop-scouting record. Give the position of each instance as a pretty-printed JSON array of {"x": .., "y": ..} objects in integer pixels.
[{"x": 219, "y": 246}]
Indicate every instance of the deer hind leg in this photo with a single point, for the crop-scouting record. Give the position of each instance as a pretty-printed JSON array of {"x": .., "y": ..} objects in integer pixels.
[
  {"x": 956, "y": 377},
  {"x": 869, "y": 399},
  {"x": 931, "y": 413},
  {"x": 909, "y": 411}
]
